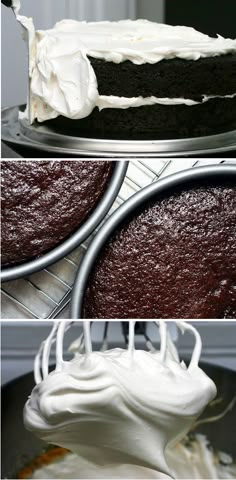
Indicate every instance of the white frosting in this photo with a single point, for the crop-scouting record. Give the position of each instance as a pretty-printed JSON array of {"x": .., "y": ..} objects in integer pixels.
[
  {"x": 139, "y": 41},
  {"x": 118, "y": 409},
  {"x": 63, "y": 82},
  {"x": 41, "y": 112},
  {"x": 195, "y": 461},
  {"x": 198, "y": 461},
  {"x": 123, "y": 102}
]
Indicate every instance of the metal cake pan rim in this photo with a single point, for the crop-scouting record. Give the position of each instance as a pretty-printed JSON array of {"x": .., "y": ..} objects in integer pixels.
[
  {"x": 124, "y": 211},
  {"x": 79, "y": 236}
]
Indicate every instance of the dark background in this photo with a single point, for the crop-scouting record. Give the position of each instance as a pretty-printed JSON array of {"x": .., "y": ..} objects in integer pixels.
[{"x": 208, "y": 16}]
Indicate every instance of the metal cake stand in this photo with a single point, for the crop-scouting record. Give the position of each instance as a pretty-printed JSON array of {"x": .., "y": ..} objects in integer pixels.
[{"x": 41, "y": 137}]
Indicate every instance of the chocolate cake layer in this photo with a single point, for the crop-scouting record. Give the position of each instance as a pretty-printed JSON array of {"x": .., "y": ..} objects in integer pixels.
[
  {"x": 157, "y": 122},
  {"x": 175, "y": 78},
  {"x": 43, "y": 202},
  {"x": 169, "y": 78},
  {"x": 176, "y": 258}
]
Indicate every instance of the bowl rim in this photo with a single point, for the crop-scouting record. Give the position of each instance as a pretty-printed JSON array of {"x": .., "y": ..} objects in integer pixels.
[
  {"x": 160, "y": 187},
  {"x": 81, "y": 233}
]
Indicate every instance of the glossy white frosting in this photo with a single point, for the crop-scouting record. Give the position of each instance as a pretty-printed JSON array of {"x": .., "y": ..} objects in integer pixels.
[
  {"x": 139, "y": 41},
  {"x": 123, "y": 102},
  {"x": 119, "y": 408},
  {"x": 62, "y": 79},
  {"x": 195, "y": 461}
]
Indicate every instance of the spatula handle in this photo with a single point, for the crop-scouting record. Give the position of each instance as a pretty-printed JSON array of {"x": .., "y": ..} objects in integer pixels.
[{"x": 7, "y": 3}]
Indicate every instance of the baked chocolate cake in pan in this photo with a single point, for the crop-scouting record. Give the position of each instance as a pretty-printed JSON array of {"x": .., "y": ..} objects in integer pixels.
[
  {"x": 175, "y": 258},
  {"x": 43, "y": 202},
  {"x": 131, "y": 80}
]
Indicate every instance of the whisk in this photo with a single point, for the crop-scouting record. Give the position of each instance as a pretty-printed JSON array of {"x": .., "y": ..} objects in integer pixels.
[{"x": 83, "y": 344}]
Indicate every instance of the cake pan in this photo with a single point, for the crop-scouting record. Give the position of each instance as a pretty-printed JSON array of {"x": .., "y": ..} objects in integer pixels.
[
  {"x": 76, "y": 238},
  {"x": 42, "y": 138},
  {"x": 163, "y": 187},
  {"x": 20, "y": 446}
]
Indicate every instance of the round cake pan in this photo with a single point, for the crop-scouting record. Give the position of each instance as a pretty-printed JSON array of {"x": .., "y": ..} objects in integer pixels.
[
  {"x": 76, "y": 238},
  {"x": 164, "y": 187},
  {"x": 20, "y": 446}
]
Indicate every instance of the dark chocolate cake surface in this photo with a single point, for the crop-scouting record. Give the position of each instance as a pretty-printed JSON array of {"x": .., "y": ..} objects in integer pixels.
[
  {"x": 211, "y": 82},
  {"x": 169, "y": 78},
  {"x": 43, "y": 202},
  {"x": 176, "y": 258},
  {"x": 133, "y": 79}
]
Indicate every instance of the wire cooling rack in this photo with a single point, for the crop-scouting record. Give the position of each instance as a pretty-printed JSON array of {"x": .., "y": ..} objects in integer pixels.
[{"x": 46, "y": 294}]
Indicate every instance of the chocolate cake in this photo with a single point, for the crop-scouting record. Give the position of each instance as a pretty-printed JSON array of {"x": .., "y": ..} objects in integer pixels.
[
  {"x": 213, "y": 77},
  {"x": 153, "y": 123},
  {"x": 175, "y": 258},
  {"x": 131, "y": 80},
  {"x": 43, "y": 202}
]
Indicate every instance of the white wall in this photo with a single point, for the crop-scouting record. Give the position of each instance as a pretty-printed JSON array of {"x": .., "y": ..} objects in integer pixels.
[
  {"x": 45, "y": 14},
  {"x": 151, "y": 9}
]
